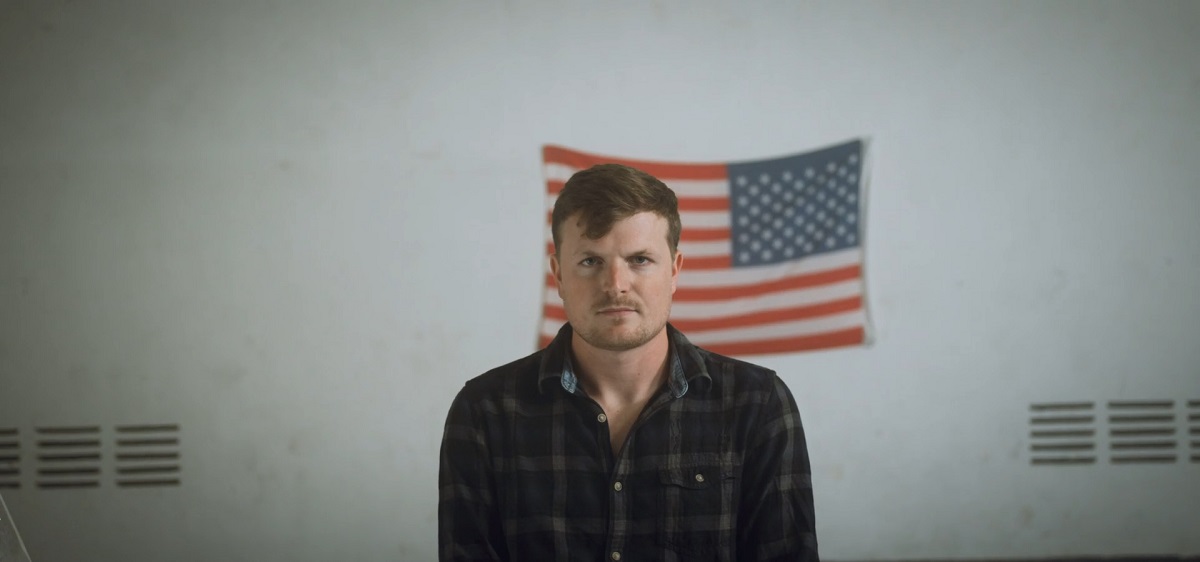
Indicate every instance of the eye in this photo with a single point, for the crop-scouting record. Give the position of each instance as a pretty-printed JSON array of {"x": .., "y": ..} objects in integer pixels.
[
  {"x": 639, "y": 260},
  {"x": 588, "y": 262}
]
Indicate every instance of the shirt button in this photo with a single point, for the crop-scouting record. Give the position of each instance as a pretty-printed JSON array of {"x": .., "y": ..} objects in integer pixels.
[
  {"x": 602, "y": 418},
  {"x": 617, "y": 486},
  {"x": 699, "y": 477},
  {"x": 616, "y": 555}
]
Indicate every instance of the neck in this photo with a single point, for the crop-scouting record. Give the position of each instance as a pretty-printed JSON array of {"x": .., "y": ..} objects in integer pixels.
[{"x": 629, "y": 376}]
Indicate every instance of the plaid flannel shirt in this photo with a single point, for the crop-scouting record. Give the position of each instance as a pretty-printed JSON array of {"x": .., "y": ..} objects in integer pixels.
[{"x": 715, "y": 468}]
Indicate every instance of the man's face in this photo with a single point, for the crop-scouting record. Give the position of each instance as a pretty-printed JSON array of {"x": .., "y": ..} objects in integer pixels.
[{"x": 617, "y": 289}]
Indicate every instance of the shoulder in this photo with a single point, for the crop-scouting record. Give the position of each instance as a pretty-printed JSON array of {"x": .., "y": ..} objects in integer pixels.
[
  {"x": 505, "y": 379},
  {"x": 726, "y": 370}
]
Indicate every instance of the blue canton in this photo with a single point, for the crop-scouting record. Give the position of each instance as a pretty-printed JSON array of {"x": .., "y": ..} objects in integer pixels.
[{"x": 794, "y": 207}]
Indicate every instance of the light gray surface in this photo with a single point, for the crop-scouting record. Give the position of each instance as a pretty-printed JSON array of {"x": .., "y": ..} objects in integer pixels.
[
  {"x": 295, "y": 228},
  {"x": 11, "y": 547}
]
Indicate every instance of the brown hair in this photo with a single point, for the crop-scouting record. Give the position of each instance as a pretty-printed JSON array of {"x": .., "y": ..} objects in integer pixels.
[{"x": 607, "y": 193}]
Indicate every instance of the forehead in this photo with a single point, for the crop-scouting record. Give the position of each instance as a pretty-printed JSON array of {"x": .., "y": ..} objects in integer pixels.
[{"x": 645, "y": 229}]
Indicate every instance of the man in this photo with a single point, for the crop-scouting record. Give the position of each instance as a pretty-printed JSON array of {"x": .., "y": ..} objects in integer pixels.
[{"x": 621, "y": 440}]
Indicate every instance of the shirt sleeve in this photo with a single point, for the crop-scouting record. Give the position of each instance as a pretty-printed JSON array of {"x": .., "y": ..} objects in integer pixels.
[
  {"x": 469, "y": 524},
  {"x": 776, "y": 519}
]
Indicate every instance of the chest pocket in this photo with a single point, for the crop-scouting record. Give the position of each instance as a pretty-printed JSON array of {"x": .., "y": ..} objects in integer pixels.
[{"x": 698, "y": 502}]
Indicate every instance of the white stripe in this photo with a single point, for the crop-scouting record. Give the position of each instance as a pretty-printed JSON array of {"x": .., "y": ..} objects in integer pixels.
[
  {"x": 798, "y": 328},
  {"x": 699, "y": 188},
  {"x": 557, "y": 172},
  {"x": 703, "y": 249},
  {"x": 552, "y": 198},
  {"x": 754, "y": 275},
  {"x": 553, "y": 171},
  {"x": 748, "y": 305},
  {"x": 704, "y": 219},
  {"x": 551, "y": 327}
]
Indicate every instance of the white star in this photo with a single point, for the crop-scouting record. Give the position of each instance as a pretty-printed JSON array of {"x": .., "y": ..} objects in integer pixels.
[
  {"x": 850, "y": 217},
  {"x": 777, "y": 243},
  {"x": 741, "y": 180},
  {"x": 743, "y": 238},
  {"x": 744, "y": 257},
  {"x": 798, "y": 184},
  {"x": 850, "y": 198},
  {"x": 808, "y": 247},
  {"x": 776, "y": 188},
  {"x": 754, "y": 190},
  {"x": 808, "y": 172},
  {"x": 850, "y": 239},
  {"x": 778, "y": 223},
  {"x": 787, "y": 175},
  {"x": 743, "y": 220},
  {"x": 853, "y": 178},
  {"x": 841, "y": 171},
  {"x": 754, "y": 210},
  {"x": 853, "y": 158},
  {"x": 830, "y": 166},
  {"x": 764, "y": 179},
  {"x": 766, "y": 255},
  {"x": 829, "y": 242},
  {"x": 743, "y": 200},
  {"x": 789, "y": 231},
  {"x": 788, "y": 251},
  {"x": 755, "y": 245}
]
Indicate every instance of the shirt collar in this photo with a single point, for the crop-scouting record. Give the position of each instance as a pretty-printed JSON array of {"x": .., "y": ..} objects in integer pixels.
[{"x": 687, "y": 368}]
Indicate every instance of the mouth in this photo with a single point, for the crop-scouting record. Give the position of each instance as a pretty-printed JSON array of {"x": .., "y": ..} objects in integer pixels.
[{"x": 617, "y": 310}]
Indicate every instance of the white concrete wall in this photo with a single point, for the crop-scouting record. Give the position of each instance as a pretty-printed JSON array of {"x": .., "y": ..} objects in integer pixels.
[{"x": 295, "y": 228}]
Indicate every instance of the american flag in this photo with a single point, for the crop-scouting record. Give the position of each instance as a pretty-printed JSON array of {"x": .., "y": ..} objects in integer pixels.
[{"x": 772, "y": 249}]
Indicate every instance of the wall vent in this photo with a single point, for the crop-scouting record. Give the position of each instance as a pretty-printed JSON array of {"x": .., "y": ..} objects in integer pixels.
[
  {"x": 10, "y": 458},
  {"x": 1062, "y": 433},
  {"x": 1193, "y": 414},
  {"x": 147, "y": 455},
  {"x": 1142, "y": 432},
  {"x": 74, "y": 457},
  {"x": 68, "y": 457},
  {"x": 1119, "y": 432}
]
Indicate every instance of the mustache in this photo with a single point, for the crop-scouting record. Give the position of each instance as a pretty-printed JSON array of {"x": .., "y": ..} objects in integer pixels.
[{"x": 619, "y": 303}]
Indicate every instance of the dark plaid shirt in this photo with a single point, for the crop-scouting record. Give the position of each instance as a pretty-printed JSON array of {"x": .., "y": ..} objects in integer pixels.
[{"x": 715, "y": 468}]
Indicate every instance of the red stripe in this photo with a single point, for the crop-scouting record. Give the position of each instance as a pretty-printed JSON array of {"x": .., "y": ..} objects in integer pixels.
[
  {"x": 664, "y": 171},
  {"x": 704, "y": 234},
  {"x": 703, "y": 203},
  {"x": 851, "y": 336},
  {"x": 768, "y": 316},
  {"x": 708, "y": 294},
  {"x": 708, "y": 262},
  {"x": 786, "y": 284},
  {"x": 555, "y": 312}
]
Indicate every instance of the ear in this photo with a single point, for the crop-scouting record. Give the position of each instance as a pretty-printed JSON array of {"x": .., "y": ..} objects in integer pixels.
[
  {"x": 556, "y": 271},
  {"x": 676, "y": 265}
]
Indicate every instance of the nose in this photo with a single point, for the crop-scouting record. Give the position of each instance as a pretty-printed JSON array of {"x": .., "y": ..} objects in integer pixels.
[{"x": 616, "y": 277}]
